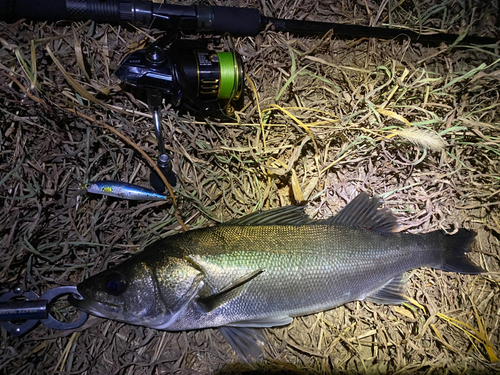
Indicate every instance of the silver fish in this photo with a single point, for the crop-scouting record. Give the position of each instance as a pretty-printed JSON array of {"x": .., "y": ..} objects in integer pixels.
[
  {"x": 266, "y": 268},
  {"x": 123, "y": 190}
]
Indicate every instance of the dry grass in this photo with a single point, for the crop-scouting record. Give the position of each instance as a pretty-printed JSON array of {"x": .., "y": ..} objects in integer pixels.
[{"x": 417, "y": 125}]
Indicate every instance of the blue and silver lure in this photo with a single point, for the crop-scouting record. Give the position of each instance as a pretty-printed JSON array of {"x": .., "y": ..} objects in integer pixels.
[{"x": 123, "y": 190}]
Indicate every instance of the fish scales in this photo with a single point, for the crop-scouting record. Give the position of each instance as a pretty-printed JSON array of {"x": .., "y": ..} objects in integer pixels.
[{"x": 265, "y": 268}]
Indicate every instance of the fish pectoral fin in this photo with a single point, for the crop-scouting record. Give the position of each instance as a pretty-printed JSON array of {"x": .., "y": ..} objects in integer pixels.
[
  {"x": 264, "y": 322},
  {"x": 246, "y": 342},
  {"x": 228, "y": 293},
  {"x": 390, "y": 294}
]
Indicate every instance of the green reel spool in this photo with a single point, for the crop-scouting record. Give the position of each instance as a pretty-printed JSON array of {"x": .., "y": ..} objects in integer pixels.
[{"x": 229, "y": 75}]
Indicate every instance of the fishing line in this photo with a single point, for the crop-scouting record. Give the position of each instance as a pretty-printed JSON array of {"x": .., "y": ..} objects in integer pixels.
[{"x": 227, "y": 75}]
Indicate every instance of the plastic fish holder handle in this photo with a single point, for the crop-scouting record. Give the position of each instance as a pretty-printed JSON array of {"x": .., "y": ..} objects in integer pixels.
[{"x": 34, "y": 309}]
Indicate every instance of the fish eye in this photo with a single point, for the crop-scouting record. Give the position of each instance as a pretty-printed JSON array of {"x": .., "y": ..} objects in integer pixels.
[{"x": 115, "y": 284}]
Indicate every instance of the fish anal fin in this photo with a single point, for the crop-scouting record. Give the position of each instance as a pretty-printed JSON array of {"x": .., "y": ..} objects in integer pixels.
[
  {"x": 364, "y": 212},
  {"x": 246, "y": 342},
  {"x": 246, "y": 339},
  {"x": 391, "y": 293},
  {"x": 228, "y": 293}
]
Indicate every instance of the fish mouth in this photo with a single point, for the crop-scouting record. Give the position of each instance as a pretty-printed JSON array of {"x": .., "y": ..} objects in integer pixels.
[{"x": 102, "y": 309}]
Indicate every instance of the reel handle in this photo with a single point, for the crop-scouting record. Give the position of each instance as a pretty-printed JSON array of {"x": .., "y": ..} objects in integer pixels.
[{"x": 164, "y": 162}]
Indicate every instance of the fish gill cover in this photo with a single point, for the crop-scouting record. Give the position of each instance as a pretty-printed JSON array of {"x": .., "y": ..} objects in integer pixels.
[{"x": 323, "y": 119}]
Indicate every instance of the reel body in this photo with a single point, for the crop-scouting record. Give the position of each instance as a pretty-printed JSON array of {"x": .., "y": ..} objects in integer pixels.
[{"x": 187, "y": 74}]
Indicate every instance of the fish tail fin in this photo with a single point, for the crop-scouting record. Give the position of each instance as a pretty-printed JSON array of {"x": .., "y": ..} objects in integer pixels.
[{"x": 454, "y": 248}]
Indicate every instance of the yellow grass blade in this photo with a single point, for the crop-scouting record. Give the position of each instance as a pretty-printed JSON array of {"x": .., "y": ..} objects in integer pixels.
[
  {"x": 73, "y": 82},
  {"x": 477, "y": 334},
  {"x": 79, "y": 56},
  {"x": 393, "y": 115},
  {"x": 442, "y": 339},
  {"x": 415, "y": 303},
  {"x": 297, "y": 190},
  {"x": 249, "y": 80},
  {"x": 300, "y": 123},
  {"x": 403, "y": 311}
]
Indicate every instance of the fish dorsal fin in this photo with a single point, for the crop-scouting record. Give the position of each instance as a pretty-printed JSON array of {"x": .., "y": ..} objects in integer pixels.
[
  {"x": 390, "y": 294},
  {"x": 230, "y": 292},
  {"x": 288, "y": 215},
  {"x": 363, "y": 212}
]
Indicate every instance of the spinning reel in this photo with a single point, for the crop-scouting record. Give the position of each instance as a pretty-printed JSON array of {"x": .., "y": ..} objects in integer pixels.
[{"x": 187, "y": 75}]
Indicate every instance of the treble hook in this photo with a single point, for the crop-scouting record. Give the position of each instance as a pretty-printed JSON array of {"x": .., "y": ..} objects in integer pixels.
[{"x": 34, "y": 309}]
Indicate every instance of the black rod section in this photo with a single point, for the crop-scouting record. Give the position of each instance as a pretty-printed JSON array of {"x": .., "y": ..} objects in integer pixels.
[
  {"x": 215, "y": 19},
  {"x": 359, "y": 31}
]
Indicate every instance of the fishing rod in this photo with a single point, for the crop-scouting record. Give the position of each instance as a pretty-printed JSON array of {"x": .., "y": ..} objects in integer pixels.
[{"x": 203, "y": 19}]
